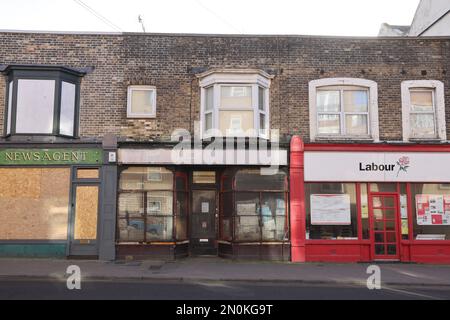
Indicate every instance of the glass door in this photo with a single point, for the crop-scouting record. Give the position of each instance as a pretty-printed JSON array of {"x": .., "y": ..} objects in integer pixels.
[{"x": 384, "y": 231}]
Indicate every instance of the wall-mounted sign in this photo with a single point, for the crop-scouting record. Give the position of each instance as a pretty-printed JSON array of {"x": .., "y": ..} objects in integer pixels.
[
  {"x": 433, "y": 209},
  {"x": 330, "y": 209},
  {"x": 50, "y": 156},
  {"x": 377, "y": 166}
]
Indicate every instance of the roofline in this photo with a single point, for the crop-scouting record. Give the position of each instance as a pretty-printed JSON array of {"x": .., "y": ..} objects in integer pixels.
[{"x": 219, "y": 35}]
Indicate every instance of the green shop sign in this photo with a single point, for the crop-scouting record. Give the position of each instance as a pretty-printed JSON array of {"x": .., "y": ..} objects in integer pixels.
[{"x": 50, "y": 156}]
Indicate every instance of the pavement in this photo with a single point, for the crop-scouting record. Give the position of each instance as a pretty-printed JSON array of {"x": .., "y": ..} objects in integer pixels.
[{"x": 217, "y": 269}]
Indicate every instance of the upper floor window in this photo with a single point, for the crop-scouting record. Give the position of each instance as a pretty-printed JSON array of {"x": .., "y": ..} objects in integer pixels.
[
  {"x": 235, "y": 103},
  {"x": 141, "y": 102},
  {"x": 423, "y": 110},
  {"x": 343, "y": 108},
  {"x": 42, "y": 100}
]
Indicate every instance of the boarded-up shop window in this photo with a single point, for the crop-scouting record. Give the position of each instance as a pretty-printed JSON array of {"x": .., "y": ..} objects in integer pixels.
[
  {"x": 34, "y": 203},
  {"x": 86, "y": 213}
]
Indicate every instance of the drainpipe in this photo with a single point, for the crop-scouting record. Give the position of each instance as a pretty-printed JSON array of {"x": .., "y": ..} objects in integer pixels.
[{"x": 297, "y": 202}]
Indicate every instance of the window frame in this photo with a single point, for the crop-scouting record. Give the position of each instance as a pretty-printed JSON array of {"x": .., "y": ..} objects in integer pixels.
[
  {"x": 134, "y": 115},
  {"x": 57, "y": 74},
  {"x": 437, "y": 88},
  {"x": 221, "y": 78},
  {"x": 372, "y": 112},
  {"x": 342, "y": 113}
]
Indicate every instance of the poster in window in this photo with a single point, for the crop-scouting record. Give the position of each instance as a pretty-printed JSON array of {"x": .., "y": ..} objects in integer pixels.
[
  {"x": 432, "y": 210},
  {"x": 330, "y": 209}
]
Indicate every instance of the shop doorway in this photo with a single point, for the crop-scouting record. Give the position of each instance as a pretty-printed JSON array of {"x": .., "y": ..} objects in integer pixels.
[
  {"x": 384, "y": 226},
  {"x": 83, "y": 224},
  {"x": 204, "y": 213},
  {"x": 203, "y": 222}
]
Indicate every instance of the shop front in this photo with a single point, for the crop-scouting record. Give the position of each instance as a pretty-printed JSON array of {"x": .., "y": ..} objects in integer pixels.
[
  {"x": 170, "y": 210},
  {"x": 50, "y": 200},
  {"x": 361, "y": 203}
]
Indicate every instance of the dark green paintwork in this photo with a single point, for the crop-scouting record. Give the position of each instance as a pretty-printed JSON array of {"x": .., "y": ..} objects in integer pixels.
[
  {"x": 50, "y": 156},
  {"x": 33, "y": 250}
]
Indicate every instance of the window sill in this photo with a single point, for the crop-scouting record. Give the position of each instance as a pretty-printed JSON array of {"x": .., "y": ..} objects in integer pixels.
[
  {"x": 425, "y": 140},
  {"x": 343, "y": 138},
  {"x": 136, "y": 117}
]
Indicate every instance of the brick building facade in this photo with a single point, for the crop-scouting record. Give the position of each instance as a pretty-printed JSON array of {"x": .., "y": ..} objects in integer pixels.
[{"x": 174, "y": 65}]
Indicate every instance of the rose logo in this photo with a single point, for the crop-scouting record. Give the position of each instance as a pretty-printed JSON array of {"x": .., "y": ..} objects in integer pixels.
[{"x": 403, "y": 164}]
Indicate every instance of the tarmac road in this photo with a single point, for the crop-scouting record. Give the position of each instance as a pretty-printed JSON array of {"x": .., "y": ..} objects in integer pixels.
[{"x": 43, "y": 289}]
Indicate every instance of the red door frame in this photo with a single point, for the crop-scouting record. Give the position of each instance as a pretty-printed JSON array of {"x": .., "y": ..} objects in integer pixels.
[{"x": 398, "y": 235}]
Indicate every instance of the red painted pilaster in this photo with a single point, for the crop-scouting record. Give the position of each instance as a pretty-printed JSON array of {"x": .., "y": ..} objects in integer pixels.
[{"x": 297, "y": 200}]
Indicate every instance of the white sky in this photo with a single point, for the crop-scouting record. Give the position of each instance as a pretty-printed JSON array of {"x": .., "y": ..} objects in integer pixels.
[{"x": 306, "y": 17}]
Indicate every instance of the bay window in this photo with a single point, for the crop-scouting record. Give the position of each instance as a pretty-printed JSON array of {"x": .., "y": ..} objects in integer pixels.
[
  {"x": 343, "y": 108},
  {"x": 423, "y": 110},
  {"x": 42, "y": 100},
  {"x": 235, "y": 103}
]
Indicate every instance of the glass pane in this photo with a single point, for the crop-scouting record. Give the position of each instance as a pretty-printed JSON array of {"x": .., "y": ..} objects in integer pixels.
[
  {"x": 365, "y": 211},
  {"x": 160, "y": 203},
  {"x": 379, "y": 249},
  {"x": 247, "y": 203},
  {"x": 236, "y": 97},
  {"x": 356, "y": 124},
  {"x": 379, "y": 225},
  {"x": 262, "y": 123},
  {"x": 261, "y": 98},
  {"x": 131, "y": 205},
  {"x": 322, "y": 222},
  {"x": 250, "y": 179},
  {"x": 379, "y": 237},
  {"x": 389, "y": 202},
  {"x": 389, "y": 213},
  {"x": 392, "y": 250},
  {"x": 208, "y": 121},
  {"x": 328, "y": 101},
  {"x": 87, "y": 173},
  {"x": 67, "y": 116},
  {"x": 356, "y": 101},
  {"x": 209, "y": 98},
  {"x": 236, "y": 122},
  {"x": 431, "y": 211},
  {"x": 86, "y": 211},
  {"x": 378, "y": 214},
  {"x": 204, "y": 201},
  {"x": 142, "y": 101},
  {"x": 146, "y": 178},
  {"x": 208, "y": 177},
  {"x": 35, "y": 104},
  {"x": 376, "y": 202},
  {"x": 10, "y": 94},
  {"x": 391, "y": 237},
  {"x": 390, "y": 225},
  {"x": 131, "y": 230},
  {"x": 383, "y": 187},
  {"x": 247, "y": 228},
  {"x": 274, "y": 228},
  {"x": 159, "y": 228},
  {"x": 329, "y": 124},
  {"x": 422, "y": 124},
  {"x": 422, "y": 100}
]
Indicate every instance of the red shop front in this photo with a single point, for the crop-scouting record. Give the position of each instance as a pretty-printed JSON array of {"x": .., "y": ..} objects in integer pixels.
[{"x": 362, "y": 203}]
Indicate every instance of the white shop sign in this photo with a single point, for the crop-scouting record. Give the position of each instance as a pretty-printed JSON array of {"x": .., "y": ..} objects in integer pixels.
[{"x": 377, "y": 166}]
